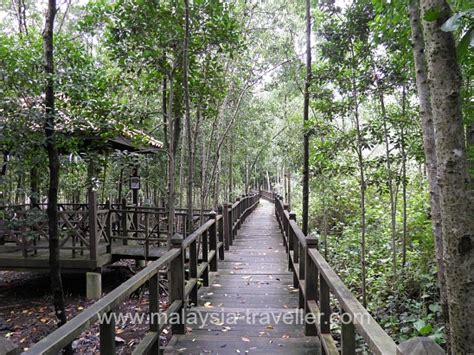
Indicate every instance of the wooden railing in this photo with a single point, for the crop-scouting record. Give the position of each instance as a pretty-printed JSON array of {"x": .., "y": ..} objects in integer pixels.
[
  {"x": 86, "y": 228},
  {"x": 316, "y": 281},
  {"x": 213, "y": 237}
]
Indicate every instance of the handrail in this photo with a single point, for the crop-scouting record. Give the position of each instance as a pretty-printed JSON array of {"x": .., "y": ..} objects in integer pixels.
[
  {"x": 316, "y": 280},
  {"x": 183, "y": 287}
]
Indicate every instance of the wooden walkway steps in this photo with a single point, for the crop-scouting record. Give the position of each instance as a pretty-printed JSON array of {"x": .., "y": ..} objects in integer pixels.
[{"x": 250, "y": 305}]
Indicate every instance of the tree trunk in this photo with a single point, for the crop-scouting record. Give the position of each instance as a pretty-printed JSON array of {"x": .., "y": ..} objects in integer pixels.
[
  {"x": 53, "y": 164},
  {"x": 404, "y": 180},
  {"x": 393, "y": 212},
  {"x": 453, "y": 178},
  {"x": 189, "y": 200},
  {"x": 34, "y": 187},
  {"x": 430, "y": 152},
  {"x": 305, "y": 120},
  {"x": 171, "y": 162},
  {"x": 360, "y": 160}
]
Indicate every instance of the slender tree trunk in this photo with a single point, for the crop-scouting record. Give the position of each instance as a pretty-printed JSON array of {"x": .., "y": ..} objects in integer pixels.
[
  {"x": 231, "y": 178},
  {"x": 306, "y": 119},
  {"x": 457, "y": 215},
  {"x": 189, "y": 201},
  {"x": 404, "y": 179},
  {"x": 34, "y": 187},
  {"x": 393, "y": 211},
  {"x": 289, "y": 190},
  {"x": 164, "y": 90},
  {"x": 362, "y": 184},
  {"x": 171, "y": 161},
  {"x": 53, "y": 164}
]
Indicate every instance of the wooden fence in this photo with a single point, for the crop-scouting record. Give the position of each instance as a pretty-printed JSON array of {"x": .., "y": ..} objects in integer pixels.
[
  {"x": 88, "y": 229},
  {"x": 316, "y": 281},
  {"x": 214, "y": 237}
]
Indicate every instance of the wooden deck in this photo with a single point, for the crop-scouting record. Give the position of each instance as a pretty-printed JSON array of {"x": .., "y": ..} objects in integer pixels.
[
  {"x": 252, "y": 290},
  {"x": 11, "y": 257}
]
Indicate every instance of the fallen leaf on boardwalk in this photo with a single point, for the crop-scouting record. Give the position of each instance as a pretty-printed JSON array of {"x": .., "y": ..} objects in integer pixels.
[
  {"x": 182, "y": 349},
  {"x": 188, "y": 329},
  {"x": 261, "y": 334},
  {"x": 226, "y": 329},
  {"x": 208, "y": 305},
  {"x": 246, "y": 277},
  {"x": 80, "y": 308},
  {"x": 270, "y": 326},
  {"x": 217, "y": 322},
  {"x": 166, "y": 330},
  {"x": 237, "y": 351},
  {"x": 120, "y": 331},
  {"x": 217, "y": 285},
  {"x": 286, "y": 336},
  {"x": 120, "y": 340},
  {"x": 223, "y": 346},
  {"x": 43, "y": 320},
  {"x": 245, "y": 339}
]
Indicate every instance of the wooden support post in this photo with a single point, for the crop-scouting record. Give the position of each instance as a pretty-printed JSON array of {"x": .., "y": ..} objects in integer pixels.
[
  {"x": 94, "y": 285},
  {"x": 289, "y": 242},
  {"x": 220, "y": 230},
  {"x": 226, "y": 226},
  {"x": 193, "y": 273},
  {"x": 325, "y": 306},
  {"x": 154, "y": 309},
  {"x": 176, "y": 284},
  {"x": 107, "y": 336},
  {"x": 124, "y": 221},
  {"x": 238, "y": 215},
  {"x": 213, "y": 241},
  {"x": 348, "y": 341},
  {"x": 311, "y": 287},
  {"x": 147, "y": 235},
  {"x": 93, "y": 240},
  {"x": 301, "y": 270},
  {"x": 108, "y": 227},
  {"x": 232, "y": 224},
  {"x": 205, "y": 258}
]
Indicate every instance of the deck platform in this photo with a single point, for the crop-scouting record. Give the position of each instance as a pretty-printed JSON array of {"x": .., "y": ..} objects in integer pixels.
[
  {"x": 12, "y": 258},
  {"x": 250, "y": 305}
]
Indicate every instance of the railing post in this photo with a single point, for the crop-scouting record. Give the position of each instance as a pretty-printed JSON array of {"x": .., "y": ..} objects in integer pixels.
[
  {"x": 154, "y": 309},
  {"x": 287, "y": 229},
  {"x": 226, "y": 225},
  {"x": 289, "y": 246},
  {"x": 325, "y": 307},
  {"x": 205, "y": 257},
  {"x": 147, "y": 234},
  {"x": 193, "y": 271},
  {"x": 108, "y": 226},
  {"x": 176, "y": 284},
  {"x": 213, "y": 240},
  {"x": 107, "y": 336},
  {"x": 311, "y": 286},
  {"x": 220, "y": 231},
  {"x": 347, "y": 334},
  {"x": 93, "y": 247},
  {"x": 124, "y": 222}
]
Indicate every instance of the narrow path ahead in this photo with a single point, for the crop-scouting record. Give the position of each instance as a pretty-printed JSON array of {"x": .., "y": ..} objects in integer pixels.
[{"x": 250, "y": 305}]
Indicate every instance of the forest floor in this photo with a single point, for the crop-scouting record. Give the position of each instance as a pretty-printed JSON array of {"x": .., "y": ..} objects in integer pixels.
[{"x": 27, "y": 313}]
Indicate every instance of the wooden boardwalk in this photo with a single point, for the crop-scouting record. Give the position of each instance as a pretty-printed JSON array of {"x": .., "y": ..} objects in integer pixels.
[{"x": 250, "y": 305}]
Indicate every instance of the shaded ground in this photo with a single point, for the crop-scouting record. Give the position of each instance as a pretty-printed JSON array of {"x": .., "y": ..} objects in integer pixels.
[{"x": 27, "y": 314}]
